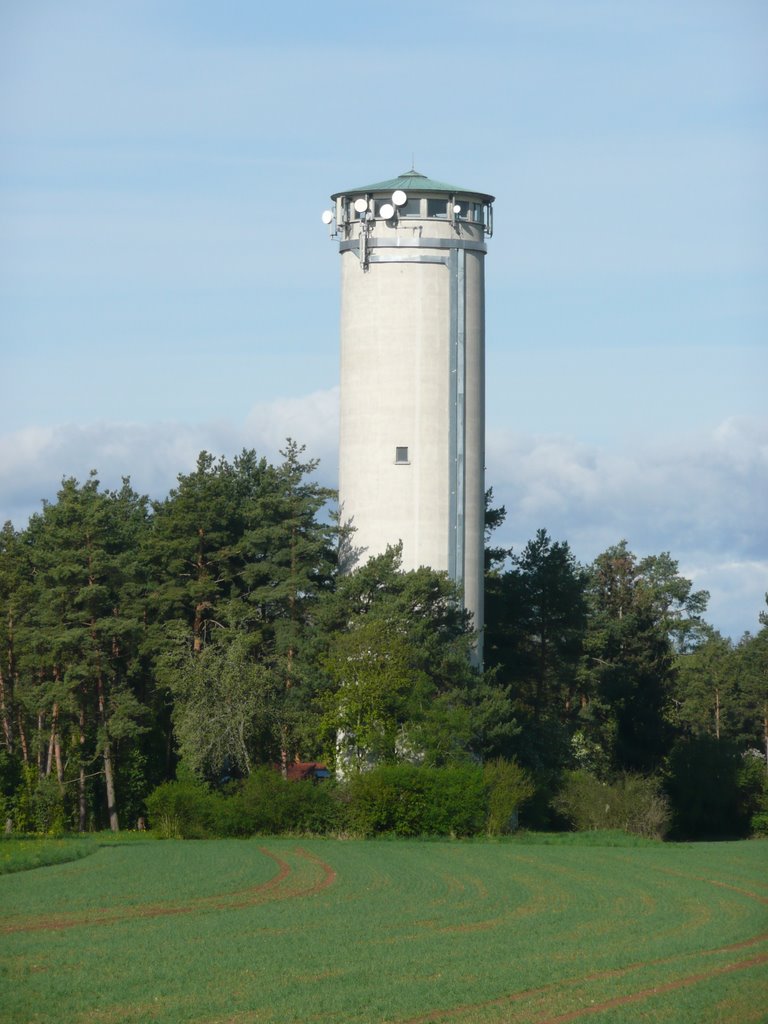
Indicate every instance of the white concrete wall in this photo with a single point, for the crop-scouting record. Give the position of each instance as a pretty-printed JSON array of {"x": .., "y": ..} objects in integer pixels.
[{"x": 396, "y": 391}]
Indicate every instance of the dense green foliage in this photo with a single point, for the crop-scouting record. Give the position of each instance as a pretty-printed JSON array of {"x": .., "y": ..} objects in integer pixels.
[
  {"x": 610, "y": 671},
  {"x": 263, "y": 804},
  {"x": 599, "y": 927},
  {"x": 404, "y": 800},
  {"x": 211, "y": 638},
  {"x": 508, "y": 787},
  {"x": 632, "y": 803},
  {"x": 389, "y": 799}
]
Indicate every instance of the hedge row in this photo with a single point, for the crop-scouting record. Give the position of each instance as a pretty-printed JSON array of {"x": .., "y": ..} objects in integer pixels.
[
  {"x": 407, "y": 800},
  {"x": 400, "y": 800}
]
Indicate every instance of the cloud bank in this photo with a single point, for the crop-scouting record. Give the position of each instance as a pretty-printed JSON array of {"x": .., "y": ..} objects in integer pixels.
[
  {"x": 701, "y": 497},
  {"x": 34, "y": 460}
]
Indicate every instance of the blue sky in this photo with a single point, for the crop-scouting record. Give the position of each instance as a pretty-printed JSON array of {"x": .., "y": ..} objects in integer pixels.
[{"x": 166, "y": 284}]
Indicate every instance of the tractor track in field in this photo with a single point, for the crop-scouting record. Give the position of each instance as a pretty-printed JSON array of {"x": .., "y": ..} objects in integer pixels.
[
  {"x": 632, "y": 997},
  {"x": 655, "y": 990},
  {"x": 647, "y": 992},
  {"x": 283, "y": 885}
]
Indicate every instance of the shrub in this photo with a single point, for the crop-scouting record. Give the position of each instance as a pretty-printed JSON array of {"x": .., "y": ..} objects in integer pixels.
[
  {"x": 644, "y": 807},
  {"x": 507, "y": 787},
  {"x": 23, "y": 803},
  {"x": 319, "y": 809},
  {"x": 372, "y": 803},
  {"x": 410, "y": 800},
  {"x": 262, "y": 804},
  {"x": 584, "y": 801},
  {"x": 48, "y": 803},
  {"x": 456, "y": 801},
  {"x": 266, "y": 803},
  {"x": 184, "y": 809},
  {"x": 633, "y": 803},
  {"x": 38, "y": 804}
]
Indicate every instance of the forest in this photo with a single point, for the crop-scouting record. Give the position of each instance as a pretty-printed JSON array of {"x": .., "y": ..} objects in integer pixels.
[{"x": 213, "y": 638}]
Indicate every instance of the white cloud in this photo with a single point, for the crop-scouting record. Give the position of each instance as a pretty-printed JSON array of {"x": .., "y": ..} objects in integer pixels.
[
  {"x": 701, "y": 497},
  {"x": 737, "y": 590},
  {"x": 34, "y": 460}
]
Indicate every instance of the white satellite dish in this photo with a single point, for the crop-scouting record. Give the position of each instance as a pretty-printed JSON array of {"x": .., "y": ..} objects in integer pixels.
[
  {"x": 327, "y": 216},
  {"x": 386, "y": 210},
  {"x": 361, "y": 205},
  {"x": 399, "y": 198},
  {"x": 456, "y": 208}
]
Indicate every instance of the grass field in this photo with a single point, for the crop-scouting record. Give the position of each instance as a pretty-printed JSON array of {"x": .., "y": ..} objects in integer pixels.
[{"x": 521, "y": 932}]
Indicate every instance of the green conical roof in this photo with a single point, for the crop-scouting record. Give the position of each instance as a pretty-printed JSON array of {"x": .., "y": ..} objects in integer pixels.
[{"x": 413, "y": 181}]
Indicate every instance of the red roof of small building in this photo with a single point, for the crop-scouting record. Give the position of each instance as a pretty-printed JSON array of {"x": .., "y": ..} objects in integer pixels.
[{"x": 304, "y": 770}]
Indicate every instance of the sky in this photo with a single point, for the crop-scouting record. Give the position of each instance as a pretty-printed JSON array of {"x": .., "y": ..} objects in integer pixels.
[{"x": 167, "y": 286}]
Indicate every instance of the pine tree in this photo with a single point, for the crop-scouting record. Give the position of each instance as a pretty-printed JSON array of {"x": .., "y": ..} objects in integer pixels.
[
  {"x": 640, "y": 612},
  {"x": 83, "y": 636}
]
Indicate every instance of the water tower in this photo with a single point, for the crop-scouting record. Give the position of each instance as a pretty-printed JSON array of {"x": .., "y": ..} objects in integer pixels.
[{"x": 412, "y": 433}]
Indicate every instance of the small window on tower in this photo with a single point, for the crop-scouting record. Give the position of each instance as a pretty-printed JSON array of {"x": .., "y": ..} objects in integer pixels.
[{"x": 401, "y": 456}]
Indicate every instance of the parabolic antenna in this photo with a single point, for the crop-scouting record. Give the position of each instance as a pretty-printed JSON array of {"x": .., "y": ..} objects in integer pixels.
[
  {"x": 399, "y": 198},
  {"x": 361, "y": 205},
  {"x": 327, "y": 216},
  {"x": 386, "y": 210}
]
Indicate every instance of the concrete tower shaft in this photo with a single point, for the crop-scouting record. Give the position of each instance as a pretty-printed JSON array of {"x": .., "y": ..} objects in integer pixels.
[{"x": 412, "y": 434}]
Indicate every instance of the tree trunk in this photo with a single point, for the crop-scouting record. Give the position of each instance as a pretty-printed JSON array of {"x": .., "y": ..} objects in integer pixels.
[
  {"x": 283, "y": 751},
  {"x": 59, "y": 762},
  {"x": 6, "y": 713},
  {"x": 52, "y": 740},
  {"x": 81, "y": 795},
  {"x": 39, "y": 742},
  {"x": 199, "y": 625},
  {"x": 6, "y": 690},
  {"x": 23, "y": 739},
  {"x": 109, "y": 779},
  {"x": 717, "y": 713}
]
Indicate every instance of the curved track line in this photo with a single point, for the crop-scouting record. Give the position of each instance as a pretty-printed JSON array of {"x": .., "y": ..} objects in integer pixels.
[
  {"x": 516, "y": 997},
  {"x": 656, "y": 990},
  {"x": 693, "y": 979},
  {"x": 329, "y": 874},
  {"x": 619, "y": 972},
  {"x": 274, "y": 888}
]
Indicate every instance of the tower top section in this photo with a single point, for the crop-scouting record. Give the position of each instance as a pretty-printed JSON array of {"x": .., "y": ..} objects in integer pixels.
[
  {"x": 410, "y": 209},
  {"x": 414, "y": 181}
]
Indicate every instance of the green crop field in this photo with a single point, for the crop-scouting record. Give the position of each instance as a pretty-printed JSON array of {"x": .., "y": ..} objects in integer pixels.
[{"x": 361, "y": 932}]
